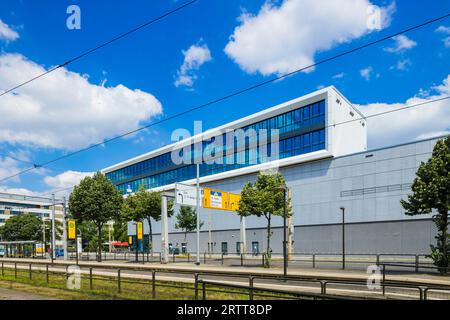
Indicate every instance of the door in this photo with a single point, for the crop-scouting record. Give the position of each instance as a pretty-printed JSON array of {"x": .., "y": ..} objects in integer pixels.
[
  {"x": 225, "y": 248},
  {"x": 255, "y": 247}
]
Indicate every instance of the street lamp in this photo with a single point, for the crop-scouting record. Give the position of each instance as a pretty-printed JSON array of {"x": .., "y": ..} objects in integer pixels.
[
  {"x": 343, "y": 237},
  {"x": 285, "y": 260}
]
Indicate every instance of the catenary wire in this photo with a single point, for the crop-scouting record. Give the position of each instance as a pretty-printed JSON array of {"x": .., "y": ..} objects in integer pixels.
[{"x": 233, "y": 94}]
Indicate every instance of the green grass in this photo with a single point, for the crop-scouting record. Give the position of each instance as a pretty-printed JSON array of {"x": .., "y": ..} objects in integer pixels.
[{"x": 104, "y": 287}]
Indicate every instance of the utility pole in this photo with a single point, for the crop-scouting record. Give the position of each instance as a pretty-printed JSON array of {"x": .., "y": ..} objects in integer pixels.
[
  {"x": 44, "y": 247},
  {"x": 197, "y": 262},
  {"x": 343, "y": 237},
  {"x": 210, "y": 246},
  {"x": 290, "y": 232},
  {"x": 243, "y": 236},
  {"x": 53, "y": 228},
  {"x": 285, "y": 262},
  {"x": 64, "y": 228}
]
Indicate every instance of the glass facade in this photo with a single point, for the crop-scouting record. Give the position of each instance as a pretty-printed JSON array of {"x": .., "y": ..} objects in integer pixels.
[{"x": 300, "y": 131}]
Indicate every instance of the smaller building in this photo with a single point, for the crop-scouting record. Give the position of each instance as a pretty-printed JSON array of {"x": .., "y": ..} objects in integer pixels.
[{"x": 17, "y": 204}]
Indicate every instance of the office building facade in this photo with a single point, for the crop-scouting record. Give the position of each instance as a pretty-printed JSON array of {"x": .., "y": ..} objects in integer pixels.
[{"x": 323, "y": 156}]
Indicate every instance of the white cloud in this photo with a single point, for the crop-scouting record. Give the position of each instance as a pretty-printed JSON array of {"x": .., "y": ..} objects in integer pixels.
[
  {"x": 65, "y": 110},
  {"x": 282, "y": 39},
  {"x": 6, "y": 33},
  {"x": 194, "y": 58},
  {"x": 366, "y": 72},
  {"x": 402, "y": 43},
  {"x": 446, "y": 42},
  {"x": 410, "y": 124},
  {"x": 401, "y": 65},
  {"x": 8, "y": 167},
  {"x": 66, "y": 179},
  {"x": 20, "y": 191},
  {"x": 445, "y": 30}
]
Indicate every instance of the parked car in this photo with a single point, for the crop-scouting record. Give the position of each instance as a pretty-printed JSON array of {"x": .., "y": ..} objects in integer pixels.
[{"x": 59, "y": 252}]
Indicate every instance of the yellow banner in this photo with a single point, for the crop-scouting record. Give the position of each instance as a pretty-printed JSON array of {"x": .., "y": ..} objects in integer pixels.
[
  {"x": 130, "y": 240},
  {"x": 72, "y": 229},
  {"x": 215, "y": 199},
  {"x": 139, "y": 230},
  {"x": 234, "y": 202},
  {"x": 220, "y": 200}
]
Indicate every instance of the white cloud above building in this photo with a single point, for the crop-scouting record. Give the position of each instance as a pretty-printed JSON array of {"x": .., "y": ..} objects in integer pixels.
[
  {"x": 424, "y": 121},
  {"x": 284, "y": 38},
  {"x": 7, "y": 33},
  {"x": 64, "y": 110},
  {"x": 194, "y": 57},
  {"x": 402, "y": 43}
]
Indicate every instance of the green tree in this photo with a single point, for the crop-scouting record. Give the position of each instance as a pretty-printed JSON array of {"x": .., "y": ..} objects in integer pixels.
[
  {"x": 145, "y": 204},
  {"x": 48, "y": 231},
  {"x": 265, "y": 198},
  {"x": 89, "y": 235},
  {"x": 120, "y": 231},
  {"x": 431, "y": 190},
  {"x": 22, "y": 227},
  {"x": 96, "y": 199},
  {"x": 187, "y": 220}
]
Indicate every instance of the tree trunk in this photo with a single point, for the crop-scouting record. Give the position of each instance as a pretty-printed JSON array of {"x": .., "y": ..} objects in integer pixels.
[
  {"x": 150, "y": 236},
  {"x": 269, "y": 217},
  {"x": 99, "y": 257},
  {"x": 442, "y": 239}
]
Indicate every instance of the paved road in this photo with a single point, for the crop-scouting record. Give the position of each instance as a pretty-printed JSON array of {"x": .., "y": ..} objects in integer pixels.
[{"x": 9, "y": 294}]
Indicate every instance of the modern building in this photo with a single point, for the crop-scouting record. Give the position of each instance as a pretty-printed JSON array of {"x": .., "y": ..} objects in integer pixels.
[
  {"x": 322, "y": 154},
  {"x": 17, "y": 204}
]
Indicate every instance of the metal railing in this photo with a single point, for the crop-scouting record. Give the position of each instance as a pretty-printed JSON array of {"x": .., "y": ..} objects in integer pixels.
[{"x": 147, "y": 274}]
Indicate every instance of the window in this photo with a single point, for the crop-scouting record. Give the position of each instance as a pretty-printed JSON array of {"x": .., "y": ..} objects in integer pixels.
[
  {"x": 238, "y": 247},
  {"x": 224, "y": 247},
  {"x": 288, "y": 122}
]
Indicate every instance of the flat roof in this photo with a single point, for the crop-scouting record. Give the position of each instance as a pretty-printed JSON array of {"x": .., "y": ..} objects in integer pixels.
[{"x": 4, "y": 196}]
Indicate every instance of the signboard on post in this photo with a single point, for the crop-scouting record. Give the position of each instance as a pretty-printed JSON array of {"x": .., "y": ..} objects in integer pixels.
[
  {"x": 233, "y": 203},
  {"x": 79, "y": 245},
  {"x": 140, "y": 230},
  {"x": 221, "y": 200},
  {"x": 130, "y": 240},
  {"x": 215, "y": 199},
  {"x": 185, "y": 195},
  {"x": 72, "y": 229}
]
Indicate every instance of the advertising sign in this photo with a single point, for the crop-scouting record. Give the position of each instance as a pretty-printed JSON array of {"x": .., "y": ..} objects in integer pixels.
[
  {"x": 185, "y": 195},
  {"x": 215, "y": 199},
  {"x": 234, "y": 201},
  {"x": 72, "y": 229},
  {"x": 140, "y": 230}
]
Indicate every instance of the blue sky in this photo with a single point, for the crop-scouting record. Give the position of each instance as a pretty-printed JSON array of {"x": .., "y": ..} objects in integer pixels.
[{"x": 134, "y": 81}]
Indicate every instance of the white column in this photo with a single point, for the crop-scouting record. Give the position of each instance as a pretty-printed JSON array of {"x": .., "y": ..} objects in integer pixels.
[
  {"x": 198, "y": 214},
  {"x": 64, "y": 229},
  {"x": 53, "y": 228},
  {"x": 164, "y": 231},
  {"x": 243, "y": 236}
]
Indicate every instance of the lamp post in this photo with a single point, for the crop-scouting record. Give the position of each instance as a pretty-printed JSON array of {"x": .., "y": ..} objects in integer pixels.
[
  {"x": 343, "y": 237},
  {"x": 285, "y": 261}
]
